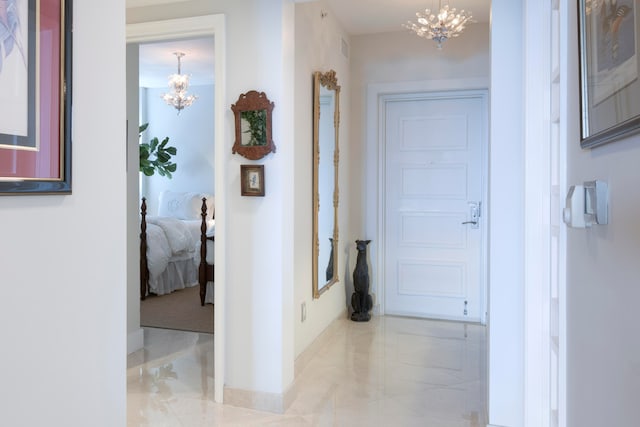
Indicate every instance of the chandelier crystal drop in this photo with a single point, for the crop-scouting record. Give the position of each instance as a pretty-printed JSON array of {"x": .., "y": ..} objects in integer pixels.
[
  {"x": 448, "y": 23},
  {"x": 179, "y": 83}
]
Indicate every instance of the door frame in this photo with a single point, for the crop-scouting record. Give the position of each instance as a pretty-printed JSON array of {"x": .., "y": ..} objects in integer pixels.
[
  {"x": 206, "y": 25},
  {"x": 375, "y": 174},
  {"x": 547, "y": 40}
]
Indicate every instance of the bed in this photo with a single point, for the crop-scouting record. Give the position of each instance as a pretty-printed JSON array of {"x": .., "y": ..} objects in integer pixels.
[{"x": 176, "y": 244}]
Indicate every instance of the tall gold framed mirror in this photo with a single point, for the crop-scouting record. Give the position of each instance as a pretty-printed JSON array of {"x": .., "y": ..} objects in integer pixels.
[{"x": 326, "y": 123}]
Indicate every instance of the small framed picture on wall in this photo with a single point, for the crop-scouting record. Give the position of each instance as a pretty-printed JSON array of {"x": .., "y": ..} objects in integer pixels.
[{"x": 252, "y": 180}]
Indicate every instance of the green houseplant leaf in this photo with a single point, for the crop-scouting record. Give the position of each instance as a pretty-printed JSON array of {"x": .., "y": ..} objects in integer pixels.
[
  {"x": 155, "y": 156},
  {"x": 257, "y": 120}
]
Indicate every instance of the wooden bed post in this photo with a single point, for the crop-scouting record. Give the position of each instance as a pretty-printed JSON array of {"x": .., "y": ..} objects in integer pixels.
[
  {"x": 202, "y": 269},
  {"x": 205, "y": 271},
  {"x": 144, "y": 268}
]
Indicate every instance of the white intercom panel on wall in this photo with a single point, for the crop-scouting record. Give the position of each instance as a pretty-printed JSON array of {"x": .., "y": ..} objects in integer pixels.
[
  {"x": 573, "y": 213},
  {"x": 587, "y": 205},
  {"x": 596, "y": 203}
]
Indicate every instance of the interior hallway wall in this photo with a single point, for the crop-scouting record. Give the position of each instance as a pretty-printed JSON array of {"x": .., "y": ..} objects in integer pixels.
[
  {"x": 259, "y": 347},
  {"x": 603, "y": 352},
  {"x": 63, "y": 256},
  {"x": 318, "y": 47}
]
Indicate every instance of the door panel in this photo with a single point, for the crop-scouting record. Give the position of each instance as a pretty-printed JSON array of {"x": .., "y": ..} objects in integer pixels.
[{"x": 433, "y": 175}]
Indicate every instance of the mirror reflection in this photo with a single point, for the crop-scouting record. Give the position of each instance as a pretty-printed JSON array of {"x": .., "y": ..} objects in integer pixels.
[
  {"x": 325, "y": 192},
  {"x": 254, "y": 127}
]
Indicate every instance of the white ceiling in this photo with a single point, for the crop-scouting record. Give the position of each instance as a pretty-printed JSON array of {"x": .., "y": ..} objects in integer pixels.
[
  {"x": 381, "y": 16},
  {"x": 157, "y": 61},
  {"x": 356, "y": 16}
]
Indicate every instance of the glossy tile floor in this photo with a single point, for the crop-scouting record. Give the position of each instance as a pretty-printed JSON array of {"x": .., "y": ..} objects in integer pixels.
[{"x": 390, "y": 371}]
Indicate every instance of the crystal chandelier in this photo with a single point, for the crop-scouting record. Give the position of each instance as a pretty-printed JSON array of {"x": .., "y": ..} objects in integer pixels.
[
  {"x": 448, "y": 23},
  {"x": 592, "y": 5},
  {"x": 179, "y": 83}
]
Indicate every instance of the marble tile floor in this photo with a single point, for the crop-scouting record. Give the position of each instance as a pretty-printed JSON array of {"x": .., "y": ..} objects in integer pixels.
[{"x": 390, "y": 371}]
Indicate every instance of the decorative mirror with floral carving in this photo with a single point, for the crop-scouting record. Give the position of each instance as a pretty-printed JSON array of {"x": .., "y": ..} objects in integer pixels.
[{"x": 253, "y": 125}]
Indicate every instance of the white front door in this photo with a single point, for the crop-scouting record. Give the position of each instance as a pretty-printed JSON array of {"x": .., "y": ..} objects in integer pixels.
[{"x": 434, "y": 218}]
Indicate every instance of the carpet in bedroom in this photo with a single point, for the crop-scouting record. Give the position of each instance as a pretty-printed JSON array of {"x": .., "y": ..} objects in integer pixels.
[{"x": 179, "y": 310}]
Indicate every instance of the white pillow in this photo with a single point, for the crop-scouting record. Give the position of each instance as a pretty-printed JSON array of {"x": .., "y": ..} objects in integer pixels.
[{"x": 179, "y": 205}]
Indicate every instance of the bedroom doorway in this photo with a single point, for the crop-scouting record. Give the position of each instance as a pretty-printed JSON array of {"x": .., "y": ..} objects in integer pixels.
[
  {"x": 173, "y": 289},
  {"x": 210, "y": 27}
]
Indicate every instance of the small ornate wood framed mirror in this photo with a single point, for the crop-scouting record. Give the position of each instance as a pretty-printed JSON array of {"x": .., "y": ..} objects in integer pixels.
[
  {"x": 326, "y": 123},
  {"x": 253, "y": 125}
]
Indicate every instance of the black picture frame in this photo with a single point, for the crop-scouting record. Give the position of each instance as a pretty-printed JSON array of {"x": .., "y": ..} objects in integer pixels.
[
  {"x": 609, "y": 72},
  {"x": 43, "y": 166}
]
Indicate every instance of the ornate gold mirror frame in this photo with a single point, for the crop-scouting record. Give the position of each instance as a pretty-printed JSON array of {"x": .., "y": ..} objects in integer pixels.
[{"x": 326, "y": 122}]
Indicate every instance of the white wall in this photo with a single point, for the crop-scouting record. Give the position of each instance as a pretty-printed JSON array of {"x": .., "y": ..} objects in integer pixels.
[
  {"x": 603, "y": 354},
  {"x": 402, "y": 56},
  {"x": 192, "y": 133},
  {"x": 259, "y": 335},
  {"x": 603, "y": 378},
  {"x": 506, "y": 213},
  {"x": 378, "y": 62},
  {"x": 63, "y": 257},
  {"x": 259, "y": 343},
  {"x": 318, "y": 48}
]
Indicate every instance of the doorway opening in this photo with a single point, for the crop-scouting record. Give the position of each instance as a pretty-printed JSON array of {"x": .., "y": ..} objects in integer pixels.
[
  {"x": 210, "y": 26},
  {"x": 173, "y": 197}
]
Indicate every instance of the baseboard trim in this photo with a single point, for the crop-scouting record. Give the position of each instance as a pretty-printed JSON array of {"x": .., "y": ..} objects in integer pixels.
[
  {"x": 135, "y": 341},
  {"x": 261, "y": 401},
  {"x": 321, "y": 340},
  {"x": 279, "y": 402}
]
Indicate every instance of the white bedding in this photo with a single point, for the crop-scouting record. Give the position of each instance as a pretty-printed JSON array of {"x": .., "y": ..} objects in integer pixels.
[
  {"x": 176, "y": 232},
  {"x": 171, "y": 252}
]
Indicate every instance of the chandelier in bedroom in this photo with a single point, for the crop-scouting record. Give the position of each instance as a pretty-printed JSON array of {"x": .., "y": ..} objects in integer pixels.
[
  {"x": 448, "y": 23},
  {"x": 179, "y": 83}
]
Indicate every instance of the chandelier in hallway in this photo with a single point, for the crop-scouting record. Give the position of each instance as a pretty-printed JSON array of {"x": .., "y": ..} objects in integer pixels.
[
  {"x": 179, "y": 83},
  {"x": 448, "y": 23}
]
